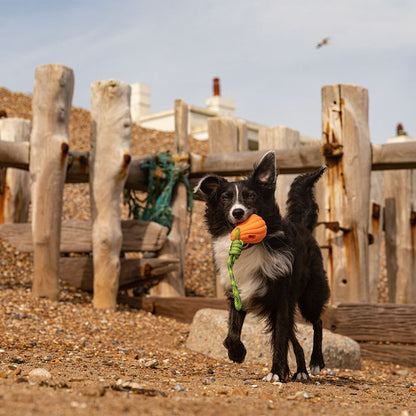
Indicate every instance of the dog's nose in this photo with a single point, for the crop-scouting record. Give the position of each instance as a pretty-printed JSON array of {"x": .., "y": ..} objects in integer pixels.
[{"x": 238, "y": 213}]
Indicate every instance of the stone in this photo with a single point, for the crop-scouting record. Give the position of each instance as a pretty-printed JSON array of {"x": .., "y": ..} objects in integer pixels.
[
  {"x": 209, "y": 329},
  {"x": 39, "y": 375}
]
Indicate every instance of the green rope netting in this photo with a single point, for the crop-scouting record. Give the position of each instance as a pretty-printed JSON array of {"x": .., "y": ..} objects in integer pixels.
[{"x": 163, "y": 175}]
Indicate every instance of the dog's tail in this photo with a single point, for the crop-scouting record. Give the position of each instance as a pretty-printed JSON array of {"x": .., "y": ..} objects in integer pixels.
[{"x": 301, "y": 204}]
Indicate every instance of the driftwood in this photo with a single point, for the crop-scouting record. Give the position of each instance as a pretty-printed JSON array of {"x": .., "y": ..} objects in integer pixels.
[
  {"x": 78, "y": 271},
  {"x": 346, "y": 145},
  {"x": 15, "y": 186},
  {"x": 277, "y": 138},
  {"x": 400, "y": 230},
  {"x": 173, "y": 284},
  {"x": 49, "y": 145},
  {"x": 76, "y": 236},
  {"x": 306, "y": 158},
  {"x": 109, "y": 163}
]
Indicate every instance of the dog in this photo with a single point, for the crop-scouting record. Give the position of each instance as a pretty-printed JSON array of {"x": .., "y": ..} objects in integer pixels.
[{"x": 284, "y": 270}]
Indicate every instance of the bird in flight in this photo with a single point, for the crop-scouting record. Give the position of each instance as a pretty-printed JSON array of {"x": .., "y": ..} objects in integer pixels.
[{"x": 323, "y": 42}]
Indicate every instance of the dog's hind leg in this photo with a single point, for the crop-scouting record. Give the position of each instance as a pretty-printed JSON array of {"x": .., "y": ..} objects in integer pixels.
[
  {"x": 236, "y": 349},
  {"x": 280, "y": 328},
  {"x": 301, "y": 371},
  {"x": 317, "y": 360}
]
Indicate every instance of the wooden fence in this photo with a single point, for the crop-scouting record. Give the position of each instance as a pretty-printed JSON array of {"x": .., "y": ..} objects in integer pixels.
[{"x": 349, "y": 210}]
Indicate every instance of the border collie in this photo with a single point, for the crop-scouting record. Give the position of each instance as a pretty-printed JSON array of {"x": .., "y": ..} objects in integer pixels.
[{"x": 275, "y": 275}]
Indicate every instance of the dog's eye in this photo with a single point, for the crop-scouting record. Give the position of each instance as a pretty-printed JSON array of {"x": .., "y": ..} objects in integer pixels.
[
  {"x": 250, "y": 195},
  {"x": 226, "y": 196}
]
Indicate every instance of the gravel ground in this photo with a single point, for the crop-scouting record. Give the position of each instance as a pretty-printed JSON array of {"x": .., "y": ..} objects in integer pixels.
[{"x": 65, "y": 358}]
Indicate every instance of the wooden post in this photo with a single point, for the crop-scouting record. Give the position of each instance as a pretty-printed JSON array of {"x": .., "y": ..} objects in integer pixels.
[
  {"x": 400, "y": 229},
  {"x": 347, "y": 147},
  {"x": 226, "y": 135},
  {"x": 173, "y": 284},
  {"x": 280, "y": 137},
  {"x": 109, "y": 163},
  {"x": 376, "y": 234},
  {"x": 49, "y": 143},
  {"x": 14, "y": 183}
]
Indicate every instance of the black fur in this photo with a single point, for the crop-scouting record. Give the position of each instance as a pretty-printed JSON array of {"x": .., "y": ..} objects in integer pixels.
[{"x": 274, "y": 276}]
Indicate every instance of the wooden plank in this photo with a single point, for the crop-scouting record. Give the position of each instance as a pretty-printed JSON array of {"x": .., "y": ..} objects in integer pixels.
[
  {"x": 78, "y": 271},
  {"x": 402, "y": 354},
  {"x": 303, "y": 159},
  {"x": 394, "y": 156},
  {"x": 181, "y": 308},
  {"x": 373, "y": 322},
  {"x": 76, "y": 236}
]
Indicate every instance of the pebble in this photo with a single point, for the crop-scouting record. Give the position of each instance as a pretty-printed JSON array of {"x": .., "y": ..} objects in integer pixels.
[
  {"x": 208, "y": 380},
  {"x": 178, "y": 387},
  {"x": 299, "y": 395},
  {"x": 39, "y": 375}
]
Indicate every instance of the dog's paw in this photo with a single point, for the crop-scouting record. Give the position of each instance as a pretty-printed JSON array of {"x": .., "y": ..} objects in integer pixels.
[
  {"x": 272, "y": 378},
  {"x": 300, "y": 376},
  {"x": 315, "y": 370},
  {"x": 236, "y": 350}
]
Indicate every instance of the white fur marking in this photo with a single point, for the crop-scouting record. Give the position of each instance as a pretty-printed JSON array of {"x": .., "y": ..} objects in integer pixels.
[
  {"x": 315, "y": 370},
  {"x": 301, "y": 377},
  {"x": 252, "y": 261},
  {"x": 273, "y": 378},
  {"x": 237, "y": 205}
]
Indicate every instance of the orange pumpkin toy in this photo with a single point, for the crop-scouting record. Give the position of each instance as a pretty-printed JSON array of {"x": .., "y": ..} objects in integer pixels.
[{"x": 252, "y": 230}]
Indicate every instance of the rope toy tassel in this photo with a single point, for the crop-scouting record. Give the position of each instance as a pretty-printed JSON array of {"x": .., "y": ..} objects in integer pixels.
[{"x": 234, "y": 254}]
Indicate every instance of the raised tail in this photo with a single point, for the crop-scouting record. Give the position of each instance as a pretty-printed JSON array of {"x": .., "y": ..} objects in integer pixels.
[{"x": 301, "y": 204}]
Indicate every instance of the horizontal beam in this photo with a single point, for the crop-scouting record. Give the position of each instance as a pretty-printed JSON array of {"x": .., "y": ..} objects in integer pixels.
[
  {"x": 394, "y": 156},
  {"x": 297, "y": 160},
  {"x": 389, "y": 156},
  {"x": 14, "y": 154},
  {"x": 76, "y": 236}
]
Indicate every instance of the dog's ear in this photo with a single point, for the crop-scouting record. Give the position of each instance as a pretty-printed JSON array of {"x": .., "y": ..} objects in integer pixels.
[
  {"x": 208, "y": 185},
  {"x": 264, "y": 173}
]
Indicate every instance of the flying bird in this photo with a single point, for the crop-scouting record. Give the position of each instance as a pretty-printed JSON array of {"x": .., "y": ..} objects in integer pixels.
[{"x": 323, "y": 42}]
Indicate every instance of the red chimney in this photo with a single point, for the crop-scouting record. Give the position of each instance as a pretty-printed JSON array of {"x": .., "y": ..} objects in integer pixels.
[{"x": 216, "y": 86}]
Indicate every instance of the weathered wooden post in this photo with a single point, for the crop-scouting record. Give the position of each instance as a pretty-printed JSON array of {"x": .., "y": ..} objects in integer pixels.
[
  {"x": 347, "y": 148},
  {"x": 376, "y": 234},
  {"x": 280, "y": 137},
  {"x": 400, "y": 230},
  {"x": 109, "y": 162},
  {"x": 173, "y": 284},
  {"x": 49, "y": 141},
  {"x": 226, "y": 135},
  {"x": 14, "y": 183}
]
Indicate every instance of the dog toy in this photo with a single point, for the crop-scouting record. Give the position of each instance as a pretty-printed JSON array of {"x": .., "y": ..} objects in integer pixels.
[{"x": 250, "y": 231}]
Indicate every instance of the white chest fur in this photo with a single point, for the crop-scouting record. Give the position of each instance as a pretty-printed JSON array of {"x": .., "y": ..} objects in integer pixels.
[{"x": 254, "y": 265}]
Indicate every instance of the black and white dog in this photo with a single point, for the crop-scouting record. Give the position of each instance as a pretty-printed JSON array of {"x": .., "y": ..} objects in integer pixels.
[{"x": 275, "y": 275}]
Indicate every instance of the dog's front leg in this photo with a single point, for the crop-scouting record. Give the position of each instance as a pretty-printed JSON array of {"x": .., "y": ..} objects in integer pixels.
[{"x": 236, "y": 349}]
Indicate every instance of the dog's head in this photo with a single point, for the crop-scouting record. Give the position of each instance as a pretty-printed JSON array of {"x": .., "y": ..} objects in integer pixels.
[{"x": 234, "y": 202}]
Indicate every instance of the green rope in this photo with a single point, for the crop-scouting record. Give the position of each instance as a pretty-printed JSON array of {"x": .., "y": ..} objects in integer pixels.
[
  {"x": 163, "y": 175},
  {"x": 234, "y": 253}
]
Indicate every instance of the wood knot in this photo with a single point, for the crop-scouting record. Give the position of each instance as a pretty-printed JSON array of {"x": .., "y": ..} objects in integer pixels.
[
  {"x": 64, "y": 149},
  {"x": 332, "y": 150},
  {"x": 126, "y": 159}
]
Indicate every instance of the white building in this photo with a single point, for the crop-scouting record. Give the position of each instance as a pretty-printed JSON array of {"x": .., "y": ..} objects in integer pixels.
[{"x": 197, "y": 118}]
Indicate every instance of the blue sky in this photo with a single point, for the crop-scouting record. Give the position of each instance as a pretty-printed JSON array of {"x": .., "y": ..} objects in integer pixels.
[{"x": 264, "y": 52}]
